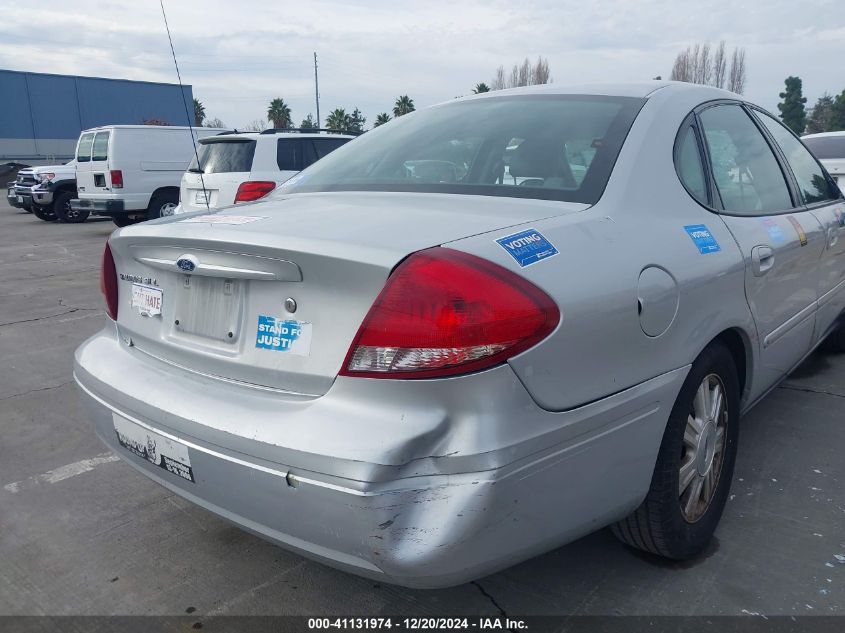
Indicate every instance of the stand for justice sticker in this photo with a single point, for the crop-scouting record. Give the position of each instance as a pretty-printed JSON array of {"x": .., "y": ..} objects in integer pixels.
[{"x": 283, "y": 335}]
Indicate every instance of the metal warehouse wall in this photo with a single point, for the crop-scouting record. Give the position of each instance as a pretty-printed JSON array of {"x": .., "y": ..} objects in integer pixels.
[{"x": 42, "y": 115}]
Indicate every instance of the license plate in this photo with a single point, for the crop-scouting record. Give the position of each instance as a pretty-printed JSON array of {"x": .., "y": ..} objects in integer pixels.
[
  {"x": 201, "y": 197},
  {"x": 147, "y": 299},
  {"x": 160, "y": 451},
  {"x": 20, "y": 198}
]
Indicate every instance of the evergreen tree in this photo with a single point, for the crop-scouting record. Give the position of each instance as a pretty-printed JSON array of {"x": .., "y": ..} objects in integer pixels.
[
  {"x": 820, "y": 117},
  {"x": 792, "y": 111}
]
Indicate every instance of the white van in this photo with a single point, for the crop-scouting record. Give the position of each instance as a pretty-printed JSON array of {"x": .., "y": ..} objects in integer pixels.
[{"x": 132, "y": 172}]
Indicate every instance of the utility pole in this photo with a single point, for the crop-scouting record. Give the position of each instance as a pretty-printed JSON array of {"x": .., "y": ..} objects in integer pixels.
[{"x": 317, "y": 91}]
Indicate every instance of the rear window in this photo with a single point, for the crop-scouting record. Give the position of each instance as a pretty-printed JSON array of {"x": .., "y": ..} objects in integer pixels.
[
  {"x": 826, "y": 146},
  {"x": 221, "y": 156},
  {"x": 100, "y": 150},
  {"x": 553, "y": 147},
  {"x": 83, "y": 149}
]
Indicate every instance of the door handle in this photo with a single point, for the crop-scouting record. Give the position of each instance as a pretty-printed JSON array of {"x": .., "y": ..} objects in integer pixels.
[{"x": 762, "y": 260}]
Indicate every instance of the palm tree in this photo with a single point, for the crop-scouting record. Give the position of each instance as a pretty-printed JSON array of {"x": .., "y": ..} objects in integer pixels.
[
  {"x": 381, "y": 119},
  {"x": 199, "y": 112},
  {"x": 404, "y": 105},
  {"x": 479, "y": 88},
  {"x": 279, "y": 113},
  {"x": 338, "y": 120}
]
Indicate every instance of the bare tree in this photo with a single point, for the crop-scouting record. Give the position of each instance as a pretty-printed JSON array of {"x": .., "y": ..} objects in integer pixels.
[
  {"x": 698, "y": 64},
  {"x": 524, "y": 74},
  {"x": 541, "y": 74},
  {"x": 736, "y": 78},
  {"x": 498, "y": 82},
  {"x": 258, "y": 125},
  {"x": 720, "y": 66}
]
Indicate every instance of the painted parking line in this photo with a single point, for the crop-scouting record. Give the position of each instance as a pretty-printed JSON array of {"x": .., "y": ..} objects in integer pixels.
[{"x": 61, "y": 473}]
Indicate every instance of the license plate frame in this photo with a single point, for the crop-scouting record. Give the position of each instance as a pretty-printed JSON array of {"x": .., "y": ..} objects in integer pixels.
[{"x": 148, "y": 299}]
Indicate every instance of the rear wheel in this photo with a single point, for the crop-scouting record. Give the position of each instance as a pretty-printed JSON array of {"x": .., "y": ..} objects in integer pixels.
[
  {"x": 123, "y": 220},
  {"x": 61, "y": 206},
  {"x": 162, "y": 205},
  {"x": 44, "y": 213},
  {"x": 692, "y": 477}
]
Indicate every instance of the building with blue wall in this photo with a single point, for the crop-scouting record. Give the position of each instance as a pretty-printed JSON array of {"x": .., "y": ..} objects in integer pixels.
[{"x": 41, "y": 115}]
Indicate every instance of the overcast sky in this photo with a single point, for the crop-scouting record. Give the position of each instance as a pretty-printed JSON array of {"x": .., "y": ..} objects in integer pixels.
[{"x": 239, "y": 55}]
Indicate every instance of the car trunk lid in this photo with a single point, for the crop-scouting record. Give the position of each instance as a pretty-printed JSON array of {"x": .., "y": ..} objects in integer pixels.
[{"x": 272, "y": 293}]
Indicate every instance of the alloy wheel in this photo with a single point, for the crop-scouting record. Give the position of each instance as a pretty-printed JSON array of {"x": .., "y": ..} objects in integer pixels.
[{"x": 703, "y": 449}]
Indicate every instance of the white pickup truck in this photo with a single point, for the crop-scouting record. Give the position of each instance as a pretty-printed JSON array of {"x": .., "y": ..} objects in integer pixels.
[
  {"x": 45, "y": 191},
  {"x": 132, "y": 172}
]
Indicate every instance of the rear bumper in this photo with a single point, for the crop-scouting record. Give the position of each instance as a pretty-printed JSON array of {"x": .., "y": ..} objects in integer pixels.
[
  {"x": 99, "y": 207},
  {"x": 423, "y": 485}
]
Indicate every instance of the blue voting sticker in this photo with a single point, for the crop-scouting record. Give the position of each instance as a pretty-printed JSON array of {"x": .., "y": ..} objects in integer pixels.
[
  {"x": 703, "y": 238},
  {"x": 528, "y": 247}
]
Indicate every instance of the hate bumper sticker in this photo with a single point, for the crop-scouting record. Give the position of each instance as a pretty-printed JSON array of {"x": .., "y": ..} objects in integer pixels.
[
  {"x": 156, "y": 449},
  {"x": 283, "y": 335},
  {"x": 527, "y": 247}
]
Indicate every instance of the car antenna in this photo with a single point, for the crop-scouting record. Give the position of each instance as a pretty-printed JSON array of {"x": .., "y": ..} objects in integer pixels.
[{"x": 185, "y": 103}]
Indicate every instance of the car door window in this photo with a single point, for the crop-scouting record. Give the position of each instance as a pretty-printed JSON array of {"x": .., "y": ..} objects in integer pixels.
[
  {"x": 289, "y": 155},
  {"x": 813, "y": 184},
  {"x": 689, "y": 166},
  {"x": 83, "y": 151},
  {"x": 747, "y": 174},
  {"x": 100, "y": 150}
]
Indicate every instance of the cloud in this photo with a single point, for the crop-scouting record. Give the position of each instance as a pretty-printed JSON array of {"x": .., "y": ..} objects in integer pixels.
[{"x": 238, "y": 56}]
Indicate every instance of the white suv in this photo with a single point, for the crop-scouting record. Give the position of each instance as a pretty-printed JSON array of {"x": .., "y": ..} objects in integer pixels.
[
  {"x": 241, "y": 167},
  {"x": 829, "y": 148}
]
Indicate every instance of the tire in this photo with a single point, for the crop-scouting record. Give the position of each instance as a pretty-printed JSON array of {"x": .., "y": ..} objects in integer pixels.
[
  {"x": 835, "y": 342},
  {"x": 44, "y": 213},
  {"x": 61, "y": 206},
  {"x": 123, "y": 220},
  {"x": 162, "y": 205},
  {"x": 668, "y": 523}
]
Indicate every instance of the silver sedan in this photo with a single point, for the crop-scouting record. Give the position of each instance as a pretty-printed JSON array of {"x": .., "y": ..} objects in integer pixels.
[{"x": 478, "y": 332}]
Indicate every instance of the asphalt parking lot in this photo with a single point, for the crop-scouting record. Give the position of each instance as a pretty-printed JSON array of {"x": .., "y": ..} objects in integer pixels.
[{"x": 82, "y": 533}]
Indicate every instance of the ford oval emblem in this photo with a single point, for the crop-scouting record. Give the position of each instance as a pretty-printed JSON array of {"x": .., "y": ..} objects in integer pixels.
[{"x": 188, "y": 264}]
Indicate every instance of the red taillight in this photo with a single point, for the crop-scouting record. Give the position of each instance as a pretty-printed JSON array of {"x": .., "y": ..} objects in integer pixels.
[
  {"x": 445, "y": 312},
  {"x": 108, "y": 283},
  {"x": 116, "y": 179},
  {"x": 253, "y": 190}
]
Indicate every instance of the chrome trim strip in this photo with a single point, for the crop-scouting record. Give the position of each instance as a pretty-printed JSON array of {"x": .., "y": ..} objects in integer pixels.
[{"x": 780, "y": 331}]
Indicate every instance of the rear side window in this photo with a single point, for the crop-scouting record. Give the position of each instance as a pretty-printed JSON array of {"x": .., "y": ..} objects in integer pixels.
[
  {"x": 813, "y": 184},
  {"x": 313, "y": 149},
  {"x": 689, "y": 165},
  {"x": 826, "y": 147},
  {"x": 224, "y": 156},
  {"x": 100, "y": 150},
  {"x": 747, "y": 174},
  {"x": 83, "y": 149},
  {"x": 288, "y": 155}
]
